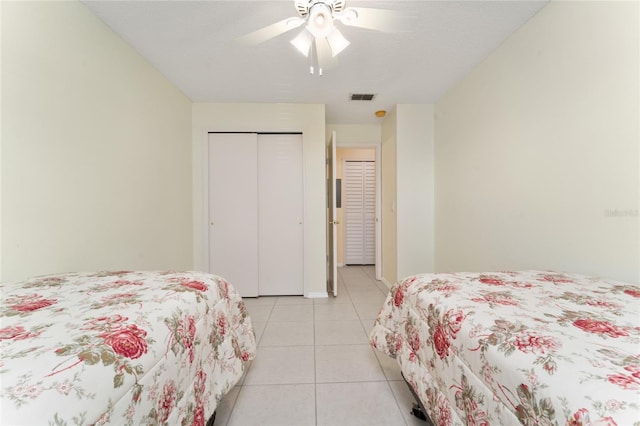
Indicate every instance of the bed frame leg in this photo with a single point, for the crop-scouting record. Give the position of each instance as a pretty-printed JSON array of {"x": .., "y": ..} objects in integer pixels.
[{"x": 418, "y": 410}]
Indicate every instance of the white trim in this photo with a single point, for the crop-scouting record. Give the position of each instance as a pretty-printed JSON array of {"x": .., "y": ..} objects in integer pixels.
[
  {"x": 205, "y": 202},
  {"x": 385, "y": 282},
  {"x": 378, "y": 267},
  {"x": 317, "y": 295},
  {"x": 205, "y": 198}
]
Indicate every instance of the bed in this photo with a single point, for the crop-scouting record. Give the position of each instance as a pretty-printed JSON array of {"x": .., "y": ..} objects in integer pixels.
[
  {"x": 125, "y": 348},
  {"x": 528, "y": 347}
]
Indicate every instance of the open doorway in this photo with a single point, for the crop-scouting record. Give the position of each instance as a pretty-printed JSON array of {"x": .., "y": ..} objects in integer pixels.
[{"x": 358, "y": 232}]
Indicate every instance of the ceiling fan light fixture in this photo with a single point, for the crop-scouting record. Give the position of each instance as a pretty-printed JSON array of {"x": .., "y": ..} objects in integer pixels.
[
  {"x": 303, "y": 41},
  {"x": 320, "y": 21},
  {"x": 337, "y": 42}
]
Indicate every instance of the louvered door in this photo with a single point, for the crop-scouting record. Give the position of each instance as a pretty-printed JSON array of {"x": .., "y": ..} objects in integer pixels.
[{"x": 360, "y": 209}]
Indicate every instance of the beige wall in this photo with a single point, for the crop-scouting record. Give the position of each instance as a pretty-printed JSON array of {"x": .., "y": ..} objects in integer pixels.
[
  {"x": 537, "y": 150},
  {"x": 407, "y": 192},
  {"x": 415, "y": 189},
  {"x": 354, "y": 135},
  {"x": 389, "y": 200},
  {"x": 96, "y": 154},
  {"x": 308, "y": 119},
  {"x": 537, "y": 153}
]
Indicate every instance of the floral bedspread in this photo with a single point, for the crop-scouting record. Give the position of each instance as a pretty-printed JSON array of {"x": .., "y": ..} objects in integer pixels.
[
  {"x": 530, "y": 347},
  {"x": 123, "y": 348}
]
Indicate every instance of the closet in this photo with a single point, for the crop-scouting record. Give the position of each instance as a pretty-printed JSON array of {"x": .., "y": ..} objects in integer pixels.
[
  {"x": 359, "y": 212},
  {"x": 256, "y": 206}
]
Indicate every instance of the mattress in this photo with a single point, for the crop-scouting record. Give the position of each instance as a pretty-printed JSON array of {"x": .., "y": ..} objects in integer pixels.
[
  {"x": 125, "y": 348},
  {"x": 528, "y": 347}
]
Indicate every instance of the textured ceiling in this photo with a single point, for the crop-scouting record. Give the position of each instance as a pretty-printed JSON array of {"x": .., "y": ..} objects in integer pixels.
[{"x": 194, "y": 44}]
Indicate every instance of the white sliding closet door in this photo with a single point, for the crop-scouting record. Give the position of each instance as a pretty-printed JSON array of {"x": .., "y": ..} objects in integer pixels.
[
  {"x": 233, "y": 210},
  {"x": 360, "y": 207},
  {"x": 280, "y": 214},
  {"x": 256, "y": 207}
]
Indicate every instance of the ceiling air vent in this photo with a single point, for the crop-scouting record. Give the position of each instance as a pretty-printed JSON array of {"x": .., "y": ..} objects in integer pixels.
[{"x": 362, "y": 96}]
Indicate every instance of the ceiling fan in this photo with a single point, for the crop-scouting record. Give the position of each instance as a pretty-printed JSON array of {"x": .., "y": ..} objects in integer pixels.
[{"x": 320, "y": 39}]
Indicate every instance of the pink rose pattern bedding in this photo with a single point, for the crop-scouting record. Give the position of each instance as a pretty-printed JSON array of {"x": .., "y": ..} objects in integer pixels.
[
  {"x": 531, "y": 347},
  {"x": 122, "y": 348}
]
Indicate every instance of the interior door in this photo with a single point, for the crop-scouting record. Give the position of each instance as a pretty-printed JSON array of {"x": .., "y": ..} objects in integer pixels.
[
  {"x": 359, "y": 212},
  {"x": 233, "y": 206},
  {"x": 280, "y": 214},
  {"x": 332, "y": 246}
]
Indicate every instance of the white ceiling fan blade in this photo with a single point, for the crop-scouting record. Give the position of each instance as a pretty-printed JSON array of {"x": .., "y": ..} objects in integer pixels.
[
  {"x": 370, "y": 18},
  {"x": 271, "y": 31}
]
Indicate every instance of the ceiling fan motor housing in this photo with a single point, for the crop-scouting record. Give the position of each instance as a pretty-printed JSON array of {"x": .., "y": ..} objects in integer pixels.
[{"x": 304, "y": 6}]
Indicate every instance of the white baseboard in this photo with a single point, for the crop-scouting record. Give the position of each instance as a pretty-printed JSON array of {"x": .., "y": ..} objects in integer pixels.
[
  {"x": 387, "y": 283},
  {"x": 317, "y": 295}
]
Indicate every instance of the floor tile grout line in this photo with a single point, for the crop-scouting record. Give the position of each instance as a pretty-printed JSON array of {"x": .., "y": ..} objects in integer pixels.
[
  {"x": 241, "y": 386},
  {"x": 367, "y": 333},
  {"x": 345, "y": 288},
  {"x": 395, "y": 398},
  {"x": 356, "y": 381},
  {"x": 233, "y": 406},
  {"x": 378, "y": 359}
]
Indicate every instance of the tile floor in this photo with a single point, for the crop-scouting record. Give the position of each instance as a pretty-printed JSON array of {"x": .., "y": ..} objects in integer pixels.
[{"x": 314, "y": 365}]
